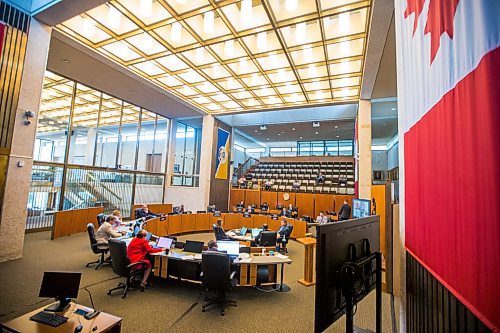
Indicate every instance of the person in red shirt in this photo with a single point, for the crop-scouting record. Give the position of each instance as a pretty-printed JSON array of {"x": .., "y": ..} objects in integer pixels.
[{"x": 138, "y": 249}]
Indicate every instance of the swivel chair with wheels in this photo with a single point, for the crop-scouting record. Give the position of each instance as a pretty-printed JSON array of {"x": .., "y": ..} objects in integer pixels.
[
  {"x": 217, "y": 276},
  {"x": 283, "y": 241},
  {"x": 97, "y": 248},
  {"x": 123, "y": 267},
  {"x": 101, "y": 218}
]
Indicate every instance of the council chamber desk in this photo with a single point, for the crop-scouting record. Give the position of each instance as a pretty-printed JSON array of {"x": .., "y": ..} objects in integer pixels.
[
  {"x": 251, "y": 272},
  {"x": 103, "y": 322},
  {"x": 187, "y": 223}
]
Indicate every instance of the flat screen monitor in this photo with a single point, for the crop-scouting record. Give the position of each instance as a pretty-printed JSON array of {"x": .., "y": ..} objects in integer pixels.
[
  {"x": 243, "y": 231},
  {"x": 193, "y": 246},
  {"x": 217, "y": 213},
  {"x": 256, "y": 232},
  {"x": 332, "y": 252},
  {"x": 148, "y": 236},
  {"x": 62, "y": 286},
  {"x": 230, "y": 247},
  {"x": 360, "y": 208},
  {"x": 268, "y": 238},
  {"x": 164, "y": 242},
  {"x": 136, "y": 230}
]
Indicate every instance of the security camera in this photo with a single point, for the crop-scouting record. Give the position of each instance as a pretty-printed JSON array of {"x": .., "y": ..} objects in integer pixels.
[{"x": 29, "y": 114}]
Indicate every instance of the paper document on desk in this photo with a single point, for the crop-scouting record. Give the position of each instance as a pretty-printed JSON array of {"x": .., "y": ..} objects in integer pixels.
[
  {"x": 122, "y": 228},
  {"x": 197, "y": 256},
  {"x": 279, "y": 255},
  {"x": 244, "y": 261},
  {"x": 230, "y": 233},
  {"x": 187, "y": 257}
]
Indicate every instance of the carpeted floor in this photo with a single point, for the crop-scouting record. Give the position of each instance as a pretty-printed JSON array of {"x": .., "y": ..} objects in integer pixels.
[{"x": 169, "y": 306}]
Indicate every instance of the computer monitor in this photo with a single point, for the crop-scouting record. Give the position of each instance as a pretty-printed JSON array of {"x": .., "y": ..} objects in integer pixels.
[
  {"x": 217, "y": 213},
  {"x": 360, "y": 208},
  {"x": 268, "y": 238},
  {"x": 256, "y": 232},
  {"x": 136, "y": 230},
  {"x": 148, "y": 236},
  {"x": 246, "y": 214},
  {"x": 193, "y": 246},
  {"x": 243, "y": 231},
  {"x": 230, "y": 247},
  {"x": 62, "y": 286},
  {"x": 274, "y": 217},
  {"x": 164, "y": 242}
]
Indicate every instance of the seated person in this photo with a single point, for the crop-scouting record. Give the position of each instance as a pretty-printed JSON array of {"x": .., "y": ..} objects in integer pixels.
[
  {"x": 342, "y": 181},
  {"x": 265, "y": 227},
  {"x": 264, "y": 207},
  {"x": 181, "y": 210},
  {"x": 118, "y": 215},
  {"x": 267, "y": 185},
  {"x": 292, "y": 211},
  {"x": 250, "y": 210},
  {"x": 283, "y": 228},
  {"x": 296, "y": 184},
  {"x": 211, "y": 209},
  {"x": 321, "y": 218},
  {"x": 221, "y": 234},
  {"x": 242, "y": 182},
  {"x": 320, "y": 179},
  {"x": 240, "y": 204},
  {"x": 138, "y": 249},
  {"x": 249, "y": 176},
  {"x": 344, "y": 212},
  {"x": 212, "y": 245},
  {"x": 144, "y": 212},
  {"x": 105, "y": 231},
  {"x": 284, "y": 212}
]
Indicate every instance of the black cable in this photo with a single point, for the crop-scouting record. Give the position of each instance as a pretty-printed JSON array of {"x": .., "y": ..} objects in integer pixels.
[{"x": 90, "y": 296}]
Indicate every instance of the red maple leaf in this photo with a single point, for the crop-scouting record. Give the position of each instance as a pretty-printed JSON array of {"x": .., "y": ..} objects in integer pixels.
[
  {"x": 440, "y": 20},
  {"x": 414, "y": 6}
]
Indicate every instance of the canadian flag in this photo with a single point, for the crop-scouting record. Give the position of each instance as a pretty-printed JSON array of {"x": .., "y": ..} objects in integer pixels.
[{"x": 448, "y": 60}]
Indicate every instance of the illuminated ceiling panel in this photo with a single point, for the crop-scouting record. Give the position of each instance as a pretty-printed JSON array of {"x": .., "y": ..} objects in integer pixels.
[{"x": 232, "y": 56}]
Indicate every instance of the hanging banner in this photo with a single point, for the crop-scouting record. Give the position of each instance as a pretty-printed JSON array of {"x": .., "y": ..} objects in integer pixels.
[{"x": 222, "y": 154}]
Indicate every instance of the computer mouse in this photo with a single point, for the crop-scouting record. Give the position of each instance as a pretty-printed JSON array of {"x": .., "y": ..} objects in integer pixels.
[{"x": 79, "y": 328}]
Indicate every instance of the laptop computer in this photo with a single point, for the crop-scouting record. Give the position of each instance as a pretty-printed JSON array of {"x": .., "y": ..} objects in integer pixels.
[
  {"x": 243, "y": 231},
  {"x": 164, "y": 242},
  {"x": 256, "y": 232},
  {"x": 193, "y": 246},
  {"x": 232, "y": 248}
]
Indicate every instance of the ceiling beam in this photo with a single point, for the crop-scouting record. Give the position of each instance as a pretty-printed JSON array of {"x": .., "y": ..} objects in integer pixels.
[
  {"x": 65, "y": 9},
  {"x": 380, "y": 21}
]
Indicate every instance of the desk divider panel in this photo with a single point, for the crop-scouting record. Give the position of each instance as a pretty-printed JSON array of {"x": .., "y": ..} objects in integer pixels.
[
  {"x": 231, "y": 221},
  {"x": 162, "y": 228},
  {"x": 274, "y": 225},
  {"x": 62, "y": 224},
  {"x": 299, "y": 229},
  {"x": 174, "y": 224},
  {"x": 236, "y": 196},
  {"x": 270, "y": 197},
  {"x": 323, "y": 202},
  {"x": 252, "y": 197},
  {"x": 259, "y": 220},
  {"x": 213, "y": 220},
  {"x": 78, "y": 217},
  {"x": 68, "y": 222},
  {"x": 305, "y": 203},
  {"x": 283, "y": 202},
  {"x": 202, "y": 222},
  {"x": 152, "y": 225},
  {"x": 247, "y": 221},
  {"x": 188, "y": 221}
]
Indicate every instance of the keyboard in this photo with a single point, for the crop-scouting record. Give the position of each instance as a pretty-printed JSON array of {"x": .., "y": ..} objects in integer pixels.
[{"x": 49, "y": 318}]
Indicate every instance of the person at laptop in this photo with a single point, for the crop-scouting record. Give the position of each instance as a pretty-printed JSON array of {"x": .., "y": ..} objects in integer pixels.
[
  {"x": 321, "y": 218},
  {"x": 264, "y": 207},
  {"x": 265, "y": 227},
  {"x": 138, "y": 249},
  {"x": 283, "y": 230},
  {"x": 250, "y": 210},
  {"x": 344, "y": 212},
  {"x": 106, "y": 230},
  {"x": 212, "y": 245},
  {"x": 144, "y": 212}
]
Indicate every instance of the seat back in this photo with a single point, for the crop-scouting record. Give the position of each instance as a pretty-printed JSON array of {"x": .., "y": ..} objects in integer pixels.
[
  {"x": 216, "y": 270},
  {"x": 268, "y": 238},
  {"x": 218, "y": 232},
  {"x": 119, "y": 259},
  {"x": 93, "y": 241},
  {"x": 245, "y": 249},
  {"x": 288, "y": 232},
  {"x": 100, "y": 219},
  {"x": 136, "y": 213}
]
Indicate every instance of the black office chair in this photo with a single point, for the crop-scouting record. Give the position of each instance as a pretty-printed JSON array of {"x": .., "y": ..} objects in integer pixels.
[
  {"x": 136, "y": 213},
  {"x": 283, "y": 242},
  {"x": 217, "y": 276},
  {"x": 122, "y": 267},
  {"x": 245, "y": 249},
  {"x": 218, "y": 232},
  {"x": 97, "y": 248},
  {"x": 101, "y": 218},
  {"x": 267, "y": 238}
]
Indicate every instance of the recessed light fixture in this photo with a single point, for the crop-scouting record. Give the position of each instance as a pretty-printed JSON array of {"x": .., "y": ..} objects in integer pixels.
[
  {"x": 267, "y": 139},
  {"x": 263, "y": 127},
  {"x": 393, "y": 109},
  {"x": 316, "y": 133},
  {"x": 338, "y": 136},
  {"x": 66, "y": 61},
  {"x": 256, "y": 131},
  {"x": 300, "y": 137},
  {"x": 293, "y": 128},
  {"x": 336, "y": 126},
  {"x": 385, "y": 124},
  {"x": 279, "y": 133}
]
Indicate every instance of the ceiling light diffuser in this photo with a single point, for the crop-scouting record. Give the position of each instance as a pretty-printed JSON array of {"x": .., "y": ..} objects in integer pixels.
[
  {"x": 262, "y": 40},
  {"x": 246, "y": 11},
  {"x": 291, "y": 5},
  {"x": 146, "y": 7},
  {"x": 208, "y": 22},
  {"x": 176, "y": 33},
  {"x": 114, "y": 17}
]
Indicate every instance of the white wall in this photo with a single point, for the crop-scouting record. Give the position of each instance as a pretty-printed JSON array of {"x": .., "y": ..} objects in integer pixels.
[
  {"x": 191, "y": 197},
  {"x": 393, "y": 157}
]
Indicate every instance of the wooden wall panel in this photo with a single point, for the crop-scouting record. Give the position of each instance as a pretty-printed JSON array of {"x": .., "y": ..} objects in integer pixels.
[
  {"x": 282, "y": 201},
  {"x": 231, "y": 221},
  {"x": 247, "y": 221},
  {"x": 274, "y": 225},
  {"x": 259, "y": 220},
  {"x": 174, "y": 224},
  {"x": 69, "y": 222},
  {"x": 63, "y": 224},
  {"x": 152, "y": 226},
  {"x": 162, "y": 229},
  {"x": 339, "y": 201},
  {"x": 188, "y": 221},
  {"x": 323, "y": 202},
  {"x": 237, "y": 195},
  {"x": 378, "y": 192},
  {"x": 157, "y": 208},
  {"x": 305, "y": 203},
  {"x": 252, "y": 197},
  {"x": 270, "y": 197},
  {"x": 213, "y": 220},
  {"x": 203, "y": 222}
]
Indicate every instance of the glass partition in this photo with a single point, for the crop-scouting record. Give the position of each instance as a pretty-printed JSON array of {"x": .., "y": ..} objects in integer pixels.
[
  {"x": 108, "y": 132},
  {"x": 128, "y": 137},
  {"x": 145, "y": 159},
  {"x": 161, "y": 143}
]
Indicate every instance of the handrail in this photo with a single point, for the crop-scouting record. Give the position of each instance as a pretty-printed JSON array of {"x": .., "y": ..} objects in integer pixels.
[
  {"x": 242, "y": 169},
  {"x": 95, "y": 180}
]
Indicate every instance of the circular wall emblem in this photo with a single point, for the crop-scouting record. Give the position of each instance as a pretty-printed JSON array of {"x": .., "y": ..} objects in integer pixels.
[
  {"x": 286, "y": 196},
  {"x": 222, "y": 154}
]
